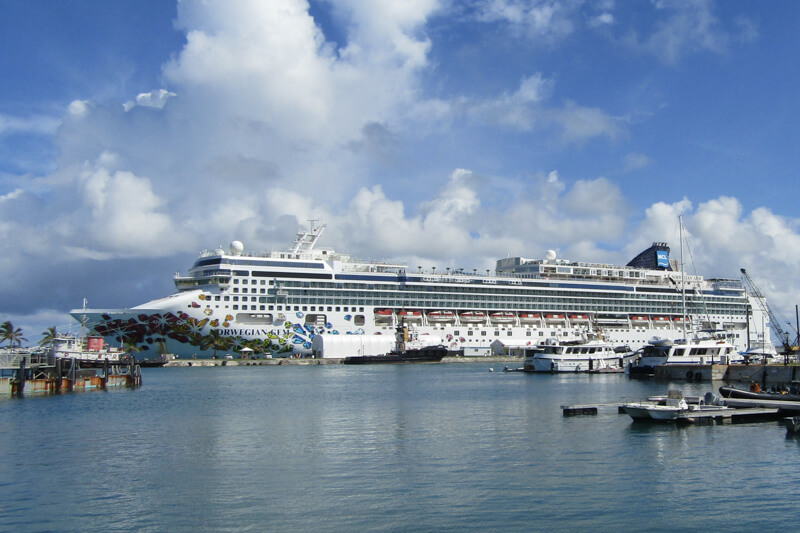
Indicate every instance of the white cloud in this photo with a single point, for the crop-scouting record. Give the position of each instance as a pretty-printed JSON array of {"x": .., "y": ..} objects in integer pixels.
[
  {"x": 685, "y": 26},
  {"x": 38, "y": 124},
  {"x": 157, "y": 99},
  {"x": 548, "y": 21}
]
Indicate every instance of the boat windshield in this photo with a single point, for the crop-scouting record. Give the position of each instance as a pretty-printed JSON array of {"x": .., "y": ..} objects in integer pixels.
[{"x": 655, "y": 351}]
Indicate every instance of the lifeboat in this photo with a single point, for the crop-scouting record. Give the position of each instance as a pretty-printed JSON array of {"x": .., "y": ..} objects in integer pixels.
[
  {"x": 441, "y": 316},
  {"x": 383, "y": 312},
  {"x": 528, "y": 318},
  {"x": 638, "y": 319},
  {"x": 503, "y": 317},
  {"x": 578, "y": 318},
  {"x": 409, "y": 315},
  {"x": 472, "y": 317},
  {"x": 550, "y": 317},
  {"x": 679, "y": 319}
]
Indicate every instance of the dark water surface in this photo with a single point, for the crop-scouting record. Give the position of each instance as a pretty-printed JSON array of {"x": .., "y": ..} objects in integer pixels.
[{"x": 382, "y": 448}]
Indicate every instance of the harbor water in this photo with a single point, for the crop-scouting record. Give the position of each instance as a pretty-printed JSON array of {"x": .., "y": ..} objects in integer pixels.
[{"x": 430, "y": 447}]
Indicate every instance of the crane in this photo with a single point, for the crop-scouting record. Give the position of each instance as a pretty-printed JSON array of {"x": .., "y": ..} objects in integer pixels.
[{"x": 775, "y": 318}]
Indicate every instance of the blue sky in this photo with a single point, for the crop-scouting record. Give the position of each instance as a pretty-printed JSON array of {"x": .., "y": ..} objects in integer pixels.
[{"x": 133, "y": 135}]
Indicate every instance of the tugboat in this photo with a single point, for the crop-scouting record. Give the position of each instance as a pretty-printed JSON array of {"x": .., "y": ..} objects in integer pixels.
[{"x": 409, "y": 349}]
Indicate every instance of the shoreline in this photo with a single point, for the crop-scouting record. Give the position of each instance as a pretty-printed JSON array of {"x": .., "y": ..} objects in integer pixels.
[{"x": 325, "y": 361}]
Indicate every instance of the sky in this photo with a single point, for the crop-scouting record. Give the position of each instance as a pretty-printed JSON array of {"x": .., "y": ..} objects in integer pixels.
[{"x": 134, "y": 135}]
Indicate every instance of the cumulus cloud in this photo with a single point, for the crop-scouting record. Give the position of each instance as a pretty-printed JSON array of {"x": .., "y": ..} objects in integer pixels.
[{"x": 262, "y": 123}]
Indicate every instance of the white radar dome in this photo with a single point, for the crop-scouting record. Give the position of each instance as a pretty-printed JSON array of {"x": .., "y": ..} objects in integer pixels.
[
  {"x": 551, "y": 254},
  {"x": 236, "y": 247}
]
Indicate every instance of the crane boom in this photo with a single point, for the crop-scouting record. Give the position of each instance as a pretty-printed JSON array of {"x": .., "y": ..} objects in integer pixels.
[{"x": 775, "y": 318}]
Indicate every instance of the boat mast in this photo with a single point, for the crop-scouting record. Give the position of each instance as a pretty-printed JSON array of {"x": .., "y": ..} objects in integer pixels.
[{"x": 683, "y": 276}]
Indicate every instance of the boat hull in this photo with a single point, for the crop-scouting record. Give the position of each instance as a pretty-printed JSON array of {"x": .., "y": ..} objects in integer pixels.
[{"x": 431, "y": 354}]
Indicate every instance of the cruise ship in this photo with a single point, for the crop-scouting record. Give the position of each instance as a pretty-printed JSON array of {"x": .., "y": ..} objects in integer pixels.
[{"x": 275, "y": 303}]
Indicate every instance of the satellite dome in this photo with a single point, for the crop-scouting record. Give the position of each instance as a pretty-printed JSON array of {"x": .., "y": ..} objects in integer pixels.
[
  {"x": 551, "y": 254},
  {"x": 236, "y": 247}
]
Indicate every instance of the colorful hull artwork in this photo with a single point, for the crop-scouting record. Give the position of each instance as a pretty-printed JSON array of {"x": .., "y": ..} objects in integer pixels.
[{"x": 182, "y": 333}]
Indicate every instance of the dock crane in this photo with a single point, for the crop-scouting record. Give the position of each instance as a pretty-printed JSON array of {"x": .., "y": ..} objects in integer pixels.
[{"x": 775, "y": 318}]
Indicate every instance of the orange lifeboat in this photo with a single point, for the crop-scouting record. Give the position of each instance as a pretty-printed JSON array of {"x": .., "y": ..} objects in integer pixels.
[
  {"x": 383, "y": 312},
  {"x": 409, "y": 315},
  {"x": 472, "y": 317},
  {"x": 553, "y": 317},
  {"x": 502, "y": 317},
  {"x": 527, "y": 318},
  {"x": 638, "y": 319},
  {"x": 441, "y": 316},
  {"x": 578, "y": 318}
]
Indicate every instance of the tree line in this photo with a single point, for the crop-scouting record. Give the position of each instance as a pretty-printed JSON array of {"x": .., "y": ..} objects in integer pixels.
[{"x": 15, "y": 338}]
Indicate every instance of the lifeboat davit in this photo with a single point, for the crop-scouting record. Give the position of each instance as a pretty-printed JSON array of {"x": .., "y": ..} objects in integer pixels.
[
  {"x": 472, "y": 317},
  {"x": 441, "y": 316},
  {"x": 502, "y": 317}
]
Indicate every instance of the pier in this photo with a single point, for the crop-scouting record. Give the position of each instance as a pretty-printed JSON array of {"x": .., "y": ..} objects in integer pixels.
[{"x": 27, "y": 371}]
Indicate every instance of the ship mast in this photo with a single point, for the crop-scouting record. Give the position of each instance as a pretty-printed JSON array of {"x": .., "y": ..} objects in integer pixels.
[{"x": 305, "y": 240}]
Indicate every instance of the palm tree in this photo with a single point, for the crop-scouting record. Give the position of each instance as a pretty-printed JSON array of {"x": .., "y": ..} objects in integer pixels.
[
  {"x": 13, "y": 336},
  {"x": 48, "y": 337}
]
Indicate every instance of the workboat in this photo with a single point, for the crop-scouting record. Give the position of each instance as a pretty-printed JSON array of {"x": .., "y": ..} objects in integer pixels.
[
  {"x": 409, "y": 348},
  {"x": 427, "y": 354},
  {"x": 276, "y": 302},
  {"x": 591, "y": 354}
]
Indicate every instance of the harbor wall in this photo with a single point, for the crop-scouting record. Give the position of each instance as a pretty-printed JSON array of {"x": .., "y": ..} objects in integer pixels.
[{"x": 764, "y": 374}]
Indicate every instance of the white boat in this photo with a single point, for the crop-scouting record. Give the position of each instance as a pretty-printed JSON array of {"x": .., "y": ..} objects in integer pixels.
[
  {"x": 590, "y": 354},
  {"x": 671, "y": 408},
  {"x": 701, "y": 349},
  {"x": 276, "y": 302}
]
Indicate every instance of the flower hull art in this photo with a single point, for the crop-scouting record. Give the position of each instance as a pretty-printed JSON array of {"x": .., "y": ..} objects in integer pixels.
[{"x": 183, "y": 334}]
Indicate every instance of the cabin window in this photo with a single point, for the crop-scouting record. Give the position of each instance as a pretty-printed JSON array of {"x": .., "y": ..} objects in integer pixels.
[{"x": 359, "y": 320}]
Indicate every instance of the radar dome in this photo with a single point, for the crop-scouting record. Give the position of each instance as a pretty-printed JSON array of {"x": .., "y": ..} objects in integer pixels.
[
  {"x": 236, "y": 247},
  {"x": 551, "y": 254}
]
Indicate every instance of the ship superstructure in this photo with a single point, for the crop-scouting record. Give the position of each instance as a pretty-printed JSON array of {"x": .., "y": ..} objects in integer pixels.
[{"x": 276, "y": 302}]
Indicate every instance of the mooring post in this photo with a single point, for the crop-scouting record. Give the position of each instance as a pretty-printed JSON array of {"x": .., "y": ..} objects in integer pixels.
[{"x": 21, "y": 375}]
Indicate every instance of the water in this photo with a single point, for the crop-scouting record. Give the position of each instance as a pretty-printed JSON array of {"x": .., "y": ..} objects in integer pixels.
[{"x": 381, "y": 448}]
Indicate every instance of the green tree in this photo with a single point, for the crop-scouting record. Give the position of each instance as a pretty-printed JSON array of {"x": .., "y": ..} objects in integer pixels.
[
  {"x": 48, "y": 337},
  {"x": 13, "y": 336}
]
